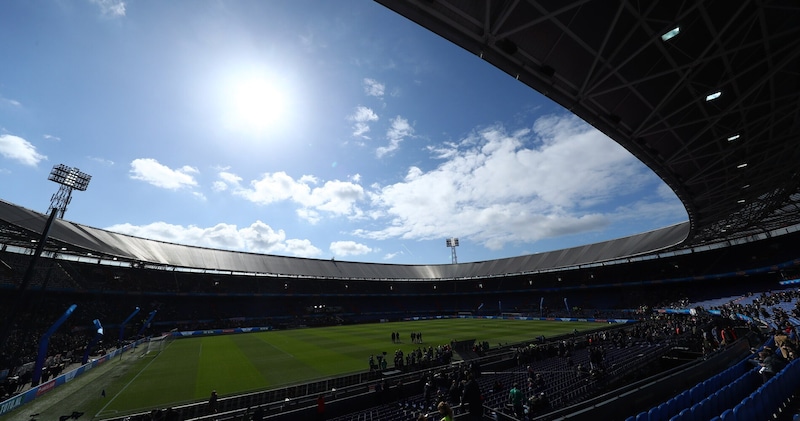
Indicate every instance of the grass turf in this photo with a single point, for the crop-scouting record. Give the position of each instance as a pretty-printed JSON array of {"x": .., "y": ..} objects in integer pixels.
[{"x": 188, "y": 369}]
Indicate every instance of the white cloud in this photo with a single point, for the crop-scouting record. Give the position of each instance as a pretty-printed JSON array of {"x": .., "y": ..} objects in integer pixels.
[
  {"x": 258, "y": 237},
  {"x": 219, "y": 186},
  {"x": 349, "y": 248},
  {"x": 300, "y": 248},
  {"x": 390, "y": 256},
  {"x": 51, "y": 137},
  {"x": 19, "y": 149},
  {"x": 495, "y": 187},
  {"x": 361, "y": 117},
  {"x": 9, "y": 101},
  {"x": 226, "y": 180},
  {"x": 373, "y": 88},
  {"x": 230, "y": 178},
  {"x": 338, "y": 198},
  {"x": 102, "y": 161},
  {"x": 399, "y": 130},
  {"x": 110, "y": 8},
  {"x": 159, "y": 175}
]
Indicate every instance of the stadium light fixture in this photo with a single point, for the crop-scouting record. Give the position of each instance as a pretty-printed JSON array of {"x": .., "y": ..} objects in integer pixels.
[
  {"x": 672, "y": 33},
  {"x": 70, "y": 179},
  {"x": 715, "y": 95},
  {"x": 742, "y": 165},
  {"x": 734, "y": 137},
  {"x": 452, "y": 242}
]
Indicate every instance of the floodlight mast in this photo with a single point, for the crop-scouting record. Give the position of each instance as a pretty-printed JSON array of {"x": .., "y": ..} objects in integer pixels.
[
  {"x": 452, "y": 243},
  {"x": 70, "y": 179}
]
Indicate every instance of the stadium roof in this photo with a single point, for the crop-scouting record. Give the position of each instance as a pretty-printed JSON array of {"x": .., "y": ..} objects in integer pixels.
[
  {"x": 705, "y": 93},
  {"x": 20, "y": 227}
]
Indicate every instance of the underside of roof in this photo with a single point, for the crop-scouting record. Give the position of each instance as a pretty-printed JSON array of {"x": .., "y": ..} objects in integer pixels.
[
  {"x": 714, "y": 109},
  {"x": 21, "y": 228}
]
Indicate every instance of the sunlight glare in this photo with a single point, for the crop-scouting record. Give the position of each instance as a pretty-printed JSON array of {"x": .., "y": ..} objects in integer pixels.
[{"x": 257, "y": 104}]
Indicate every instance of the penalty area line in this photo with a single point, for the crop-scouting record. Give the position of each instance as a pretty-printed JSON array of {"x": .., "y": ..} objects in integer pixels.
[{"x": 102, "y": 410}]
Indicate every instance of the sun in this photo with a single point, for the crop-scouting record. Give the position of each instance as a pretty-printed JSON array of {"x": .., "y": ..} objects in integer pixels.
[{"x": 256, "y": 104}]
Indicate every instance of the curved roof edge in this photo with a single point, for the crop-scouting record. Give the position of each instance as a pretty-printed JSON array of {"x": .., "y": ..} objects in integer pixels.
[{"x": 82, "y": 239}]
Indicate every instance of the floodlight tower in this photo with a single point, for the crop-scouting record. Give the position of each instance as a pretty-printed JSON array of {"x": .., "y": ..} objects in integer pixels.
[
  {"x": 452, "y": 243},
  {"x": 70, "y": 179}
]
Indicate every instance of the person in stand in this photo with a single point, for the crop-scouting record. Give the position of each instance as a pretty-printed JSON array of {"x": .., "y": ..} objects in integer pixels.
[
  {"x": 445, "y": 411},
  {"x": 770, "y": 363},
  {"x": 212, "y": 402},
  {"x": 321, "y": 407},
  {"x": 472, "y": 398},
  {"x": 516, "y": 397},
  {"x": 427, "y": 394}
]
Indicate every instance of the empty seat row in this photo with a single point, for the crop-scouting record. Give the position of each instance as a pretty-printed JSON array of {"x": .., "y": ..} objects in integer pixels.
[{"x": 744, "y": 399}]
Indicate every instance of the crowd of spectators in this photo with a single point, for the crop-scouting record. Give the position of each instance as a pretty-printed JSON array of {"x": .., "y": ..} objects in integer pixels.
[
  {"x": 418, "y": 359},
  {"x": 769, "y": 307}
]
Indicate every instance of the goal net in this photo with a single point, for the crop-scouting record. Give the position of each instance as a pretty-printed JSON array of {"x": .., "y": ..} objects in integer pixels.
[{"x": 156, "y": 344}]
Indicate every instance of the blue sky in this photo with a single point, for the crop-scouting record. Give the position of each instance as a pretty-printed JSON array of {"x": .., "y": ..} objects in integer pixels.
[{"x": 301, "y": 128}]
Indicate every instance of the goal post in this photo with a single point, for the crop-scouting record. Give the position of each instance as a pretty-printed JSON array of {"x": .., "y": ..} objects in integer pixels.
[{"x": 156, "y": 344}]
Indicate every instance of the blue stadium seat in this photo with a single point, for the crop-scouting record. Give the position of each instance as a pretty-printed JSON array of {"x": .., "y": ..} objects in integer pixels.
[
  {"x": 683, "y": 401},
  {"x": 715, "y": 403},
  {"x": 684, "y": 415},
  {"x": 696, "y": 412},
  {"x": 654, "y": 414},
  {"x": 745, "y": 409},
  {"x": 696, "y": 393},
  {"x": 664, "y": 412},
  {"x": 674, "y": 405},
  {"x": 759, "y": 408}
]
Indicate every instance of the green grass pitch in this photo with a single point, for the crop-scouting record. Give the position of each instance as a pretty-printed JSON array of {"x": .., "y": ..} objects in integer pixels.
[{"x": 188, "y": 369}]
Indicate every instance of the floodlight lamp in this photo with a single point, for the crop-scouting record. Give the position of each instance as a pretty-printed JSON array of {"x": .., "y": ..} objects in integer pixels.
[
  {"x": 672, "y": 33},
  {"x": 70, "y": 177},
  {"x": 715, "y": 95}
]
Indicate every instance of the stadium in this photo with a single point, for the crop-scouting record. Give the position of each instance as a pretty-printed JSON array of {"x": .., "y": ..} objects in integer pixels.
[{"x": 663, "y": 325}]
